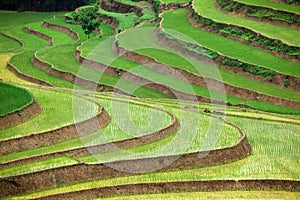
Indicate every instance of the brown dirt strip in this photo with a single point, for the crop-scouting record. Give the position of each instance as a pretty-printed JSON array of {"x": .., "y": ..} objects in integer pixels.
[
  {"x": 64, "y": 29},
  {"x": 120, "y": 7},
  {"x": 49, "y": 68},
  {"x": 82, "y": 172},
  {"x": 21, "y": 115},
  {"x": 31, "y": 79},
  {"x": 179, "y": 186},
  {"x": 41, "y": 35},
  {"x": 198, "y": 80}
]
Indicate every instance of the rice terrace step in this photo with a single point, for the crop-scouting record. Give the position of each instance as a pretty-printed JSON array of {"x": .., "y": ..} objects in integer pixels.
[{"x": 150, "y": 99}]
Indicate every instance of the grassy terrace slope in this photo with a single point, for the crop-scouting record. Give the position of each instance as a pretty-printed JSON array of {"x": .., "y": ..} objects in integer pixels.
[
  {"x": 22, "y": 61},
  {"x": 90, "y": 51},
  {"x": 113, "y": 132},
  {"x": 56, "y": 112},
  {"x": 62, "y": 58},
  {"x": 195, "y": 133},
  {"x": 34, "y": 165},
  {"x": 163, "y": 55},
  {"x": 8, "y": 45},
  {"x": 213, "y": 195},
  {"x": 271, "y": 159},
  {"x": 13, "y": 98},
  {"x": 272, "y": 4},
  {"x": 57, "y": 57},
  {"x": 207, "y": 8},
  {"x": 226, "y": 46},
  {"x": 124, "y": 21}
]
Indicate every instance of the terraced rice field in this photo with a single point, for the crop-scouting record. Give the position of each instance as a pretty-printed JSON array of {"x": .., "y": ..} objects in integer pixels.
[{"x": 135, "y": 113}]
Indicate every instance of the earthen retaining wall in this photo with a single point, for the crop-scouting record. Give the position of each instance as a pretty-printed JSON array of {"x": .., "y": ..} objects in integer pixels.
[
  {"x": 66, "y": 30},
  {"x": 39, "y": 34},
  {"x": 180, "y": 186},
  {"x": 13, "y": 38},
  {"x": 20, "y": 115},
  {"x": 14, "y": 70}
]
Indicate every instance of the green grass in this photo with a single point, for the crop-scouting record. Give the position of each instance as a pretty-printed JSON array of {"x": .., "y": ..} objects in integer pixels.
[
  {"x": 13, "y": 98},
  {"x": 23, "y": 63},
  {"x": 226, "y": 46},
  {"x": 161, "y": 54},
  {"x": 62, "y": 58},
  {"x": 208, "y": 9},
  {"x": 38, "y": 166},
  {"x": 192, "y": 136},
  {"x": 106, "y": 30},
  {"x": 8, "y": 45},
  {"x": 56, "y": 111},
  {"x": 12, "y": 19},
  {"x": 173, "y": 1},
  {"x": 272, "y": 4},
  {"x": 32, "y": 43},
  {"x": 261, "y": 195},
  {"x": 126, "y": 20},
  {"x": 59, "y": 38},
  {"x": 275, "y": 156}
]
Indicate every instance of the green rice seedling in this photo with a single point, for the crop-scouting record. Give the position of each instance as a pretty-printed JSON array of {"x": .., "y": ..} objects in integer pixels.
[
  {"x": 23, "y": 63},
  {"x": 56, "y": 112},
  {"x": 91, "y": 51},
  {"x": 275, "y": 156},
  {"x": 60, "y": 38},
  {"x": 226, "y": 46},
  {"x": 207, "y": 8},
  {"x": 38, "y": 166},
  {"x": 261, "y": 195},
  {"x": 13, "y": 98},
  {"x": 8, "y": 45},
  {"x": 272, "y": 4},
  {"x": 114, "y": 131},
  {"x": 62, "y": 58}
]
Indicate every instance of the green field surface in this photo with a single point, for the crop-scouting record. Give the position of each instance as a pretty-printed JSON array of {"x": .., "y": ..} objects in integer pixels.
[
  {"x": 173, "y": 1},
  {"x": 208, "y": 9},
  {"x": 106, "y": 30},
  {"x": 261, "y": 195},
  {"x": 275, "y": 156},
  {"x": 6, "y": 75},
  {"x": 22, "y": 61},
  {"x": 272, "y": 4},
  {"x": 226, "y": 46},
  {"x": 59, "y": 38},
  {"x": 8, "y": 45},
  {"x": 19, "y": 19},
  {"x": 131, "y": 120},
  {"x": 125, "y": 20},
  {"x": 13, "y": 98},
  {"x": 57, "y": 111}
]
